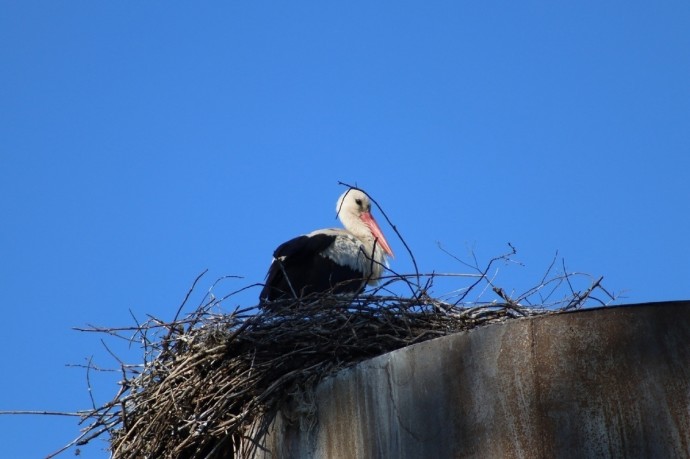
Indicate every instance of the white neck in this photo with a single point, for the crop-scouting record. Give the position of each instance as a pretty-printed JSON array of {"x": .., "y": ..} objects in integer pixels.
[
  {"x": 371, "y": 249},
  {"x": 356, "y": 226}
]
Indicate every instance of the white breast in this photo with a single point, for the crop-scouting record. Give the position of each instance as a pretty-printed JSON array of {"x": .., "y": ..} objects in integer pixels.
[{"x": 347, "y": 250}]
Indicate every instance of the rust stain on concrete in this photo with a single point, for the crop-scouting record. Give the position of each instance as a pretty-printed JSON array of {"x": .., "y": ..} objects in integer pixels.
[{"x": 597, "y": 383}]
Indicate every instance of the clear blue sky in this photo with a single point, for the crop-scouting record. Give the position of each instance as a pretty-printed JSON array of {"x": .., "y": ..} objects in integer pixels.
[{"x": 143, "y": 142}]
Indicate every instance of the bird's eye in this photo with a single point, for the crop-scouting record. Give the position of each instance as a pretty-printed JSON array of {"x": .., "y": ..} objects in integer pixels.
[{"x": 359, "y": 202}]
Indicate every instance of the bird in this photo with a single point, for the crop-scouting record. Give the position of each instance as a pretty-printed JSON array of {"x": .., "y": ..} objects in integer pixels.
[{"x": 332, "y": 260}]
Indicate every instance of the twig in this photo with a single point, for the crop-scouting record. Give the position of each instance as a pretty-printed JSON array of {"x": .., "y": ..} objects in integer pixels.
[
  {"x": 395, "y": 228},
  {"x": 189, "y": 292},
  {"x": 211, "y": 383}
]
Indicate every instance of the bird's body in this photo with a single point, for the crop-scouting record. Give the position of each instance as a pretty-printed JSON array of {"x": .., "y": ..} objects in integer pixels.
[{"x": 330, "y": 260}]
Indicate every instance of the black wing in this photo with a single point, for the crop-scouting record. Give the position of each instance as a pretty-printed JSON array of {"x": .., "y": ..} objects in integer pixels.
[{"x": 299, "y": 268}]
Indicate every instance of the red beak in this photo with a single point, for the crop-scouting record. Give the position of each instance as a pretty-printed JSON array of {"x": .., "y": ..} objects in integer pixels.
[{"x": 368, "y": 220}]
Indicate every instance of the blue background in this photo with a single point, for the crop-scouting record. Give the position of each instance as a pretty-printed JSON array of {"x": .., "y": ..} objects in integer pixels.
[{"x": 144, "y": 142}]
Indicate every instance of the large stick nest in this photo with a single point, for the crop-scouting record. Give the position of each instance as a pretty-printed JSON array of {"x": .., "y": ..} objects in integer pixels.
[
  {"x": 217, "y": 375},
  {"x": 211, "y": 383}
]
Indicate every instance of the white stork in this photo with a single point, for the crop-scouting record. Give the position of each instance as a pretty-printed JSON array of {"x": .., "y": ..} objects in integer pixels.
[{"x": 335, "y": 260}]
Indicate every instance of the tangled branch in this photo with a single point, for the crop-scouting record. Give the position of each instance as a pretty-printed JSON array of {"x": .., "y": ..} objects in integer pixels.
[{"x": 211, "y": 383}]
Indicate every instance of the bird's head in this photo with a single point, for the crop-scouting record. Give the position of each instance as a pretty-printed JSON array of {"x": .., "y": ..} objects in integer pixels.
[{"x": 354, "y": 210}]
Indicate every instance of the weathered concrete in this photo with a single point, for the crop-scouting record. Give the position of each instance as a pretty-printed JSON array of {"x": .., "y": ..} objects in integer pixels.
[{"x": 612, "y": 382}]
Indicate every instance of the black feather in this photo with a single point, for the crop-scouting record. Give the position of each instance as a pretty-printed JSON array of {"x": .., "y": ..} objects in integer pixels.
[{"x": 308, "y": 271}]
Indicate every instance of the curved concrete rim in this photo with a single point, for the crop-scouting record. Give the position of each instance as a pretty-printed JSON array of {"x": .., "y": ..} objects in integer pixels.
[{"x": 600, "y": 382}]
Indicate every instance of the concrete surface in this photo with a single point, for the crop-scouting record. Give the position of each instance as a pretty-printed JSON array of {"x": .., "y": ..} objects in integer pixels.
[{"x": 598, "y": 383}]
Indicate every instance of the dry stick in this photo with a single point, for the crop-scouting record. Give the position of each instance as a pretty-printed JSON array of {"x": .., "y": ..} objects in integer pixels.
[
  {"x": 239, "y": 290},
  {"x": 80, "y": 439},
  {"x": 189, "y": 292},
  {"x": 543, "y": 283},
  {"x": 395, "y": 276},
  {"x": 88, "y": 383},
  {"x": 45, "y": 413},
  {"x": 287, "y": 278},
  {"x": 610, "y": 295},
  {"x": 482, "y": 273},
  {"x": 501, "y": 293},
  {"x": 68, "y": 445},
  {"x": 371, "y": 259},
  {"x": 107, "y": 330},
  {"x": 548, "y": 270},
  {"x": 579, "y": 298},
  {"x": 217, "y": 281},
  {"x": 253, "y": 372},
  {"x": 395, "y": 229},
  {"x": 574, "y": 295},
  {"x": 112, "y": 353},
  {"x": 138, "y": 331}
]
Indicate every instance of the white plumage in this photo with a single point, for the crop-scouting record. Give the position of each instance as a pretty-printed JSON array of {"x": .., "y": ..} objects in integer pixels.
[{"x": 338, "y": 260}]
